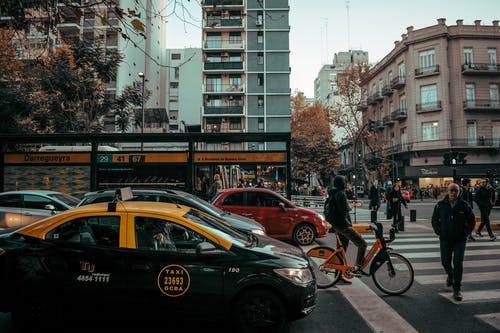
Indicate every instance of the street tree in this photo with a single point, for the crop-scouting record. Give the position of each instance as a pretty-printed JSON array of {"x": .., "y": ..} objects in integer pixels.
[
  {"x": 312, "y": 147},
  {"x": 127, "y": 105}
]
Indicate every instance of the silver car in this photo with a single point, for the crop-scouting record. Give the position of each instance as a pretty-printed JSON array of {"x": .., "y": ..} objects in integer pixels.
[{"x": 25, "y": 207}]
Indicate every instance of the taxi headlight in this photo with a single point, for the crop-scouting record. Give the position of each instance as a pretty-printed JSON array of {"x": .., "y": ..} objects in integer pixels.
[
  {"x": 259, "y": 232},
  {"x": 299, "y": 276}
]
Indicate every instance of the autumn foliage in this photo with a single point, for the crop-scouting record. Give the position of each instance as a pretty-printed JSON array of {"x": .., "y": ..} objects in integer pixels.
[{"x": 313, "y": 149}]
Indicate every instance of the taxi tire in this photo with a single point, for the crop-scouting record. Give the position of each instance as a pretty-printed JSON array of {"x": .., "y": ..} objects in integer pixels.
[
  {"x": 259, "y": 310},
  {"x": 304, "y": 234}
]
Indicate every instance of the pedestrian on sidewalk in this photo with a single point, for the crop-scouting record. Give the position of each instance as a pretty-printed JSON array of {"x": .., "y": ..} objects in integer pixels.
[
  {"x": 396, "y": 199},
  {"x": 485, "y": 197},
  {"x": 466, "y": 195},
  {"x": 453, "y": 220}
]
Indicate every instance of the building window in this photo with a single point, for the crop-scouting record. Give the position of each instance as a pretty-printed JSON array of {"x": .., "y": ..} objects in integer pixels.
[
  {"x": 260, "y": 79},
  {"x": 389, "y": 77},
  {"x": 260, "y": 19},
  {"x": 260, "y": 124},
  {"x": 468, "y": 58},
  {"x": 402, "y": 103},
  {"x": 404, "y": 138},
  {"x": 380, "y": 86},
  {"x": 260, "y": 37},
  {"x": 430, "y": 131},
  {"x": 260, "y": 58},
  {"x": 214, "y": 40},
  {"x": 470, "y": 92},
  {"x": 175, "y": 56},
  {"x": 492, "y": 56},
  {"x": 428, "y": 96},
  {"x": 427, "y": 61},
  {"x": 235, "y": 37},
  {"x": 174, "y": 85},
  {"x": 214, "y": 84},
  {"x": 471, "y": 133},
  {"x": 494, "y": 95},
  {"x": 176, "y": 73},
  {"x": 260, "y": 101},
  {"x": 401, "y": 70}
]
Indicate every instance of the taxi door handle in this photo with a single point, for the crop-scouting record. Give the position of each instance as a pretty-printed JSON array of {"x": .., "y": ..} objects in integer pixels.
[{"x": 140, "y": 267}]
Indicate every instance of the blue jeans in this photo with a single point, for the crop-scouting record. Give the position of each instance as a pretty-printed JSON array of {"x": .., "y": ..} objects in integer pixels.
[{"x": 453, "y": 251}]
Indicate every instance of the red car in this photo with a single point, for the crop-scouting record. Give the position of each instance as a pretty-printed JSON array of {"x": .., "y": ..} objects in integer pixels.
[{"x": 281, "y": 218}]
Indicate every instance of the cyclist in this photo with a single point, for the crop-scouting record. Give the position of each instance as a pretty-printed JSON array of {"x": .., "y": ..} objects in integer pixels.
[{"x": 341, "y": 222}]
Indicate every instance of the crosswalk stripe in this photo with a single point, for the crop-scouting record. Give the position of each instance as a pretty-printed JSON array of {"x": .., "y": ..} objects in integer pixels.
[
  {"x": 492, "y": 319},
  {"x": 468, "y": 254},
  {"x": 474, "y": 263},
  {"x": 466, "y": 277},
  {"x": 375, "y": 311},
  {"x": 475, "y": 296}
]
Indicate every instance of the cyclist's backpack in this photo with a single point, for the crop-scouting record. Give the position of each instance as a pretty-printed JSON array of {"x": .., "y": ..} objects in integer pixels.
[{"x": 329, "y": 208}]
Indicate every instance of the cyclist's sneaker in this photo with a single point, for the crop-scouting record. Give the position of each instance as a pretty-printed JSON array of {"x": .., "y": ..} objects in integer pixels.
[
  {"x": 449, "y": 281},
  {"x": 493, "y": 238},
  {"x": 457, "y": 295}
]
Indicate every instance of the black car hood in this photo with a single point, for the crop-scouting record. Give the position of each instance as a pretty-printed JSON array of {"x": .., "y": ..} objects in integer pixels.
[
  {"x": 242, "y": 222},
  {"x": 275, "y": 247}
]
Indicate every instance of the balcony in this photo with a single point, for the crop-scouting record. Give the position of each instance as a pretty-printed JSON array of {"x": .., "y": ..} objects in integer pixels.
[
  {"x": 398, "y": 82},
  {"x": 387, "y": 90},
  {"x": 379, "y": 124},
  {"x": 227, "y": 65},
  {"x": 426, "y": 71},
  {"x": 219, "y": 3},
  {"x": 399, "y": 114},
  {"x": 373, "y": 99},
  {"x": 220, "y": 110},
  {"x": 362, "y": 106},
  {"x": 217, "y": 23},
  {"x": 482, "y": 105},
  {"x": 481, "y": 69},
  {"x": 387, "y": 120},
  {"x": 224, "y": 88},
  {"x": 429, "y": 107}
]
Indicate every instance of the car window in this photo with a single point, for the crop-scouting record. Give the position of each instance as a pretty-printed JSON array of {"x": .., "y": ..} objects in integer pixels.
[
  {"x": 10, "y": 200},
  {"x": 269, "y": 200},
  {"x": 235, "y": 199},
  {"x": 66, "y": 198},
  {"x": 98, "y": 230},
  {"x": 38, "y": 202},
  {"x": 162, "y": 235}
]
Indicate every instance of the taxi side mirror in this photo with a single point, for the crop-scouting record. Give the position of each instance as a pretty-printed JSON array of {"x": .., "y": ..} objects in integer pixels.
[{"x": 207, "y": 249}]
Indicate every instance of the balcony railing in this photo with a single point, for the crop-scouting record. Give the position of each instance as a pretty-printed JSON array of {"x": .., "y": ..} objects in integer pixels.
[
  {"x": 219, "y": 22},
  {"x": 379, "y": 124},
  {"x": 371, "y": 100},
  {"x": 363, "y": 105},
  {"x": 387, "y": 120},
  {"x": 429, "y": 106},
  {"x": 223, "y": 110},
  {"x": 480, "y": 69},
  {"x": 223, "y": 65},
  {"x": 222, "y": 3},
  {"x": 482, "y": 104},
  {"x": 387, "y": 91},
  {"x": 399, "y": 114},
  {"x": 398, "y": 82},
  {"x": 222, "y": 88},
  {"x": 426, "y": 71}
]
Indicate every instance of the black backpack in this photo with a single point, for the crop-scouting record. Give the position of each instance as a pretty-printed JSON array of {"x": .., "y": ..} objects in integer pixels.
[{"x": 329, "y": 208}]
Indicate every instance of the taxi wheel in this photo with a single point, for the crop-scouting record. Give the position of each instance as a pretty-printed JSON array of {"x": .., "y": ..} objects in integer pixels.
[
  {"x": 259, "y": 311},
  {"x": 304, "y": 234}
]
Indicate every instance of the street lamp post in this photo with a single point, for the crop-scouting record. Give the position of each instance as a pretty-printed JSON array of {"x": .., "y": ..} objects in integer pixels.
[{"x": 143, "y": 77}]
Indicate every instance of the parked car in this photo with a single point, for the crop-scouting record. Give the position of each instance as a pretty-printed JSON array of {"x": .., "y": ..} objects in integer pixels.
[
  {"x": 28, "y": 206},
  {"x": 178, "y": 197},
  {"x": 406, "y": 195},
  {"x": 103, "y": 256},
  {"x": 281, "y": 218}
]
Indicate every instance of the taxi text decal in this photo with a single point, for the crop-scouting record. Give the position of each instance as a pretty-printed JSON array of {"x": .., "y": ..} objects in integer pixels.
[
  {"x": 173, "y": 280},
  {"x": 90, "y": 275}
]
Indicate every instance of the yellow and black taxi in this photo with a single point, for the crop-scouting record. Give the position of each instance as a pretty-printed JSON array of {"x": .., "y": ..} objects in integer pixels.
[{"x": 152, "y": 256}]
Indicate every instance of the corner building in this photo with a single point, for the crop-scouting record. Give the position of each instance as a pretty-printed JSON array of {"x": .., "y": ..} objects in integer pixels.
[
  {"x": 437, "y": 91},
  {"x": 246, "y": 69}
]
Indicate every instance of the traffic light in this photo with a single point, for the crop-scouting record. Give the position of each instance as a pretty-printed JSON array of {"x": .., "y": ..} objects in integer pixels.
[
  {"x": 371, "y": 125},
  {"x": 461, "y": 158},
  {"x": 447, "y": 159},
  {"x": 454, "y": 158}
]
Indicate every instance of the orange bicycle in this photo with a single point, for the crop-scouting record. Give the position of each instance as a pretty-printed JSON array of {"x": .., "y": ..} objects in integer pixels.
[{"x": 391, "y": 272}]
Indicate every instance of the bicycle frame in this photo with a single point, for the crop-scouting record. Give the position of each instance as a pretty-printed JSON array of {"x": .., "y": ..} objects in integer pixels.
[{"x": 375, "y": 251}]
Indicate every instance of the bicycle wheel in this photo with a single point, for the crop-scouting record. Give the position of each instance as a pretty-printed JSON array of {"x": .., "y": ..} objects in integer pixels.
[
  {"x": 397, "y": 281},
  {"x": 325, "y": 277}
]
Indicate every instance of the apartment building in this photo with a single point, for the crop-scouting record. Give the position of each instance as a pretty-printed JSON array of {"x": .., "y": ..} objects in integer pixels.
[
  {"x": 184, "y": 92},
  {"x": 246, "y": 68},
  {"x": 98, "y": 24},
  {"x": 436, "y": 92}
]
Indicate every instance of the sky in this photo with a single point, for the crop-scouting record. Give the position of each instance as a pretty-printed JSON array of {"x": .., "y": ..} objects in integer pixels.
[{"x": 321, "y": 28}]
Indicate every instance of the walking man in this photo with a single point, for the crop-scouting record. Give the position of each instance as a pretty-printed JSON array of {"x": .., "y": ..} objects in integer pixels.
[
  {"x": 453, "y": 220},
  {"x": 374, "y": 196},
  {"x": 466, "y": 195},
  {"x": 484, "y": 199}
]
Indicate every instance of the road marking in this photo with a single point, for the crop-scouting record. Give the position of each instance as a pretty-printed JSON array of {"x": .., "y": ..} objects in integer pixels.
[
  {"x": 474, "y": 263},
  {"x": 468, "y": 254},
  {"x": 474, "y": 296},
  {"x": 492, "y": 319},
  {"x": 378, "y": 314},
  {"x": 466, "y": 277}
]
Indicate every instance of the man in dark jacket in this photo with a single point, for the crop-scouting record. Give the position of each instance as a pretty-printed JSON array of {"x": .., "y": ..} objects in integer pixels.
[
  {"x": 374, "y": 196},
  {"x": 484, "y": 199},
  {"x": 341, "y": 222},
  {"x": 453, "y": 220}
]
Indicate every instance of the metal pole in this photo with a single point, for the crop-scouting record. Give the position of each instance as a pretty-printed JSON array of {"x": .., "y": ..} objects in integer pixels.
[{"x": 143, "y": 77}]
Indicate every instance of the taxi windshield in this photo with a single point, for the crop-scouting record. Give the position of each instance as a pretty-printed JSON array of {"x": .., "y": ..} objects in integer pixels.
[{"x": 217, "y": 226}]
